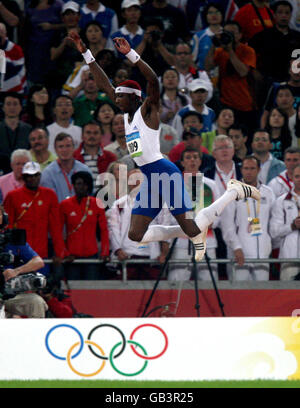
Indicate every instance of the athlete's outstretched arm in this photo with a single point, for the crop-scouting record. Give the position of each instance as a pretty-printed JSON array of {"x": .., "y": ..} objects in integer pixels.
[
  {"x": 100, "y": 76},
  {"x": 153, "y": 95}
]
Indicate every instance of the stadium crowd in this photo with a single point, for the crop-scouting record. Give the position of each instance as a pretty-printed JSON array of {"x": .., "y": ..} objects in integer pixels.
[{"x": 229, "y": 73}]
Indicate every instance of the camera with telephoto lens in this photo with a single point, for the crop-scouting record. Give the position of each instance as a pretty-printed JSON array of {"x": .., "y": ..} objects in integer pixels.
[
  {"x": 156, "y": 35},
  {"x": 225, "y": 38},
  {"x": 23, "y": 283}
]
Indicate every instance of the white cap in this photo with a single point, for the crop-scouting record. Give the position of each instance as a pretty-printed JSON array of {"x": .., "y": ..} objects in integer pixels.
[
  {"x": 201, "y": 84},
  {"x": 70, "y": 5},
  {"x": 31, "y": 168},
  {"x": 129, "y": 3}
]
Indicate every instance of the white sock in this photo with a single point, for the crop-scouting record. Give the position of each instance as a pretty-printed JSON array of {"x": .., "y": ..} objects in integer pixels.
[
  {"x": 207, "y": 215},
  {"x": 163, "y": 233}
]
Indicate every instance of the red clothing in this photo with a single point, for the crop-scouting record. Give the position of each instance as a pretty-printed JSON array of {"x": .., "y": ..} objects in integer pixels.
[
  {"x": 175, "y": 153},
  {"x": 83, "y": 242},
  {"x": 103, "y": 161},
  {"x": 61, "y": 308},
  {"x": 41, "y": 218}
]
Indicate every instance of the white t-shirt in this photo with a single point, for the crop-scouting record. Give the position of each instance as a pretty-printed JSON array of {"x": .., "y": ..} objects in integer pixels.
[{"x": 72, "y": 130}]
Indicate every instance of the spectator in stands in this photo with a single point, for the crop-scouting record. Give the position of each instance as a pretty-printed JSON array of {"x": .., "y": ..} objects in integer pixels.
[
  {"x": 293, "y": 83},
  {"x": 42, "y": 20},
  {"x": 270, "y": 167},
  {"x": 283, "y": 183},
  {"x": 37, "y": 109},
  {"x": 285, "y": 224},
  {"x": 39, "y": 142},
  {"x": 238, "y": 135},
  {"x": 276, "y": 44},
  {"x": 82, "y": 214},
  {"x": 118, "y": 147},
  {"x": 95, "y": 10},
  {"x": 62, "y": 52},
  {"x": 168, "y": 136},
  {"x": 131, "y": 30},
  {"x": 13, "y": 132},
  {"x": 171, "y": 97},
  {"x": 63, "y": 112},
  {"x": 85, "y": 105},
  {"x": 224, "y": 120},
  {"x": 253, "y": 18},
  {"x": 200, "y": 93},
  {"x": 285, "y": 101},
  {"x": 11, "y": 16},
  {"x": 278, "y": 128},
  {"x": 15, "y": 75},
  {"x": 57, "y": 175},
  {"x": 93, "y": 37},
  {"x": 104, "y": 115},
  {"x": 246, "y": 224},
  {"x": 121, "y": 74},
  {"x": 191, "y": 162},
  {"x": 118, "y": 218},
  {"x": 201, "y": 43},
  {"x": 14, "y": 180},
  {"x": 91, "y": 150},
  {"x": 235, "y": 61},
  {"x": 174, "y": 20},
  {"x": 30, "y": 203}
]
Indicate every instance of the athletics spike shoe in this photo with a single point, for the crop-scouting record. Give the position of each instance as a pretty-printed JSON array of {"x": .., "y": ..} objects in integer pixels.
[
  {"x": 200, "y": 245},
  {"x": 243, "y": 190}
]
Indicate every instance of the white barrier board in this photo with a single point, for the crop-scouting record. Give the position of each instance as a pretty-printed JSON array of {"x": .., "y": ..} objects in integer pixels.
[{"x": 150, "y": 349}]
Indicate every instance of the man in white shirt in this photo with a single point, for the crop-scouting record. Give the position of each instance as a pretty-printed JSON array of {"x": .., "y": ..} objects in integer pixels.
[{"x": 63, "y": 111}]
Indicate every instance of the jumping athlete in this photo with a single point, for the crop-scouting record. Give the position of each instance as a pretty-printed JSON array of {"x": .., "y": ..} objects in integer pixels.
[{"x": 141, "y": 119}]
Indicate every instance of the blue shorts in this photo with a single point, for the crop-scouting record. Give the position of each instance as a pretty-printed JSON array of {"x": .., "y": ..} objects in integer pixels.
[{"x": 163, "y": 183}]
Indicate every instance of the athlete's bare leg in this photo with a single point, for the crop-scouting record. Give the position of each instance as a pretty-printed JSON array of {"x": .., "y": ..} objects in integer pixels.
[{"x": 138, "y": 226}]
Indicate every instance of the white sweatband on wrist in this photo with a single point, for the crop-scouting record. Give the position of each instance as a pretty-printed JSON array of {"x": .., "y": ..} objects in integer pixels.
[
  {"x": 133, "y": 56},
  {"x": 88, "y": 57}
]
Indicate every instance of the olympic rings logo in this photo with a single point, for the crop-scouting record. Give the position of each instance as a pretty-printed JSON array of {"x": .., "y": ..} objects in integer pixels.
[{"x": 113, "y": 354}]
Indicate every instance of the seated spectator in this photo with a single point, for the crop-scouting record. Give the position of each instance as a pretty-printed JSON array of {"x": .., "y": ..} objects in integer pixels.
[
  {"x": 63, "y": 112},
  {"x": 119, "y": 146},
  {"x": 285, "y": 224},
  {"x": 37, "y": 109},
  {"x": 283, "y": 183},
  {"x": 91, "y": 150},
  {"x": 122, "y": 247},
  {"x": 106, "y": 17},
  {"x": 42, "y": 20},
  {"x": 30, "y": 203},
  {"x": 270, "y": 167},
  {"x": 168, "y": 138},
  {"x": 92, "y": 36},
  {"x": 224, "y": 120},
  {"x": 172, "y": 100},
  {"x": 14, "y": 180},
  {"x": 13, "y": 132},
  {"x": 293, "y": 83},
  {"x": 104, "y": 115},
  {"x": 57, "y": 175},
  {"x": 11, "y": 16},
  {"x": 238, "y": 135},
  {"x": 253, "y": 18},
  {"x": 15, "y": 75},
  {"x": 85, "y": 105},
  {"x": 246, "y": 224},
  {"x": 39, "y": 142},
  {"x": 62, "y": 52},
  {"x": 81, "y": 215},
  {"x": 278, "y": 128},
  {"x": 121, "y": 74},
  {"x": 131, "y": 30},
  {"x": 285, "y": 101},
  {"x": 200, "y": 93},
  {"x": 201, "y": 43},
  {"x": 235, "y": 61},
  {"x": 276, "y": 44},
  {"x": 174, "y": 20},
  {"x": 191, "y": 163}
]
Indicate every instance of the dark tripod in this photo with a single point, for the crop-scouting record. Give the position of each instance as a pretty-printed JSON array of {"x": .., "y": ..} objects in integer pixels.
[{"x": 194, "y": 275}]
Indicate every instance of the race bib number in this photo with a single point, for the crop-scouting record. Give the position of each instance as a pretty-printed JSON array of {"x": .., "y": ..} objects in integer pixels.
[{"x": 134, "y": 144}]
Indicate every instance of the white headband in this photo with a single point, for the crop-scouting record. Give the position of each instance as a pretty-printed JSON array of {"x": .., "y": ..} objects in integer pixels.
[{"x": 125, "y": 89}]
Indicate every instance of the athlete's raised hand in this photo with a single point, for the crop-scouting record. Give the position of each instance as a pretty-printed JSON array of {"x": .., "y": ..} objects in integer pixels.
[
  {"x": 122, "y": 45},
  {"x": 75, "y": 38}
]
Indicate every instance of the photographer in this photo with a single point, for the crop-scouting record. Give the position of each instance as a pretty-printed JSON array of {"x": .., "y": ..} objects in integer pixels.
[
  {"x": 236, "y": 62},
  {"x": 26, "y": 260}
]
